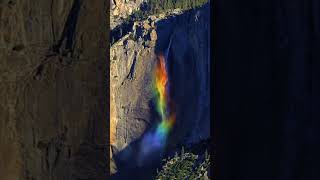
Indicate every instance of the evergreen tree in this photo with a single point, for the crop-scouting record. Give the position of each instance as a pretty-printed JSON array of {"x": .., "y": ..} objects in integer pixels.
[
  {"x": 206, "y": 154},
  {"x": 170, "y": 4}
]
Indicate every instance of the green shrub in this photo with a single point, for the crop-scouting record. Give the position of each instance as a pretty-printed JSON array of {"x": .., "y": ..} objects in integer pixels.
[
  {"x": 185, "y": 166},
  {"x": 159, "y": 6}
]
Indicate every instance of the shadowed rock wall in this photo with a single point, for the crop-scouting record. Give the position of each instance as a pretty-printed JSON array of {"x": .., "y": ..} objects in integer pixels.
[{"x": 53, "y": 94}]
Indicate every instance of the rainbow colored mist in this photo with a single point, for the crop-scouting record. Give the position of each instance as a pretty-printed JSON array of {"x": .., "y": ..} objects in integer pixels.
[
  {"x": 163, "y": 102},
  {"x": 155, "y": 141}
]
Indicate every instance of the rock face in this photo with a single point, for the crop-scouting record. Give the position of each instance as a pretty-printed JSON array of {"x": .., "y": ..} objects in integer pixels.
[
  {"x": 124, "y": 7},
  {"x": 53, "y": 95},
  {"x": 121, "y": 9},
  {"x": 189, "y": 66},
  {"x": 131, "y": 70},
  {"x": 131, "y": 60}
]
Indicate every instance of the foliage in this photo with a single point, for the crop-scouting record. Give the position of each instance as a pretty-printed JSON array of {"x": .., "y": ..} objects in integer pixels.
[
  {"x": 185, "y": 166},
  {"x": 158, "y": 6}
]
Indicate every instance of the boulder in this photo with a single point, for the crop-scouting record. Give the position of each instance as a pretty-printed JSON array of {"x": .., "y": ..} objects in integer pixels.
[
  {"x": 116, "y": 12},
  {"x": 146, "y": 25},
  {"x": 153, "y": 35}
]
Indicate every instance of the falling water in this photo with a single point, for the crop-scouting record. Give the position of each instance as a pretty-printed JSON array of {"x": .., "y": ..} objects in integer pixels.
[{"x": 155, "y": 141}]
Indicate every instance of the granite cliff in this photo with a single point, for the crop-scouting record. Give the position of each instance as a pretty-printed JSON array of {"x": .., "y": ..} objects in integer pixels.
[
  {"x": 120, "y": 9},
  {"x": 53, "y": 105},
  {"x": 132, "y": 61},
  {"x": 54, "y": 85}
]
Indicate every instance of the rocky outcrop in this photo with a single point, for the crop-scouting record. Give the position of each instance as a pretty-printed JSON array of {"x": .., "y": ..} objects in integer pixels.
[
  {"x": 123, "y": 8},
  {"x": 53, "y": 94},
  {"x": 131, "y": 68},
  {"x": 131, "y": 59},
  {"x": 120, "y": 9}
]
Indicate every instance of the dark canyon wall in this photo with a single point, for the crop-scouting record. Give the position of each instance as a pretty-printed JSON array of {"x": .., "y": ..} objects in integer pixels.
[{"x": 53, "y": 93}]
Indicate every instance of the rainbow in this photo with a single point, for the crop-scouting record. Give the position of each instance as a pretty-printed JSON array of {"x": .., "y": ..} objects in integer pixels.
[
  {"x": 156, "y": 140},
  {"x": 163, "y": 101}
]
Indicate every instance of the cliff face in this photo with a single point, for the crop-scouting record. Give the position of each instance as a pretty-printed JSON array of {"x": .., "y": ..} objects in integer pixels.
[
  {"x": 189, "y": 61},
  {"x": 53, "y": 93},
  {"x": 131, "y": 63},
  {"x": 121, "y": 9},
  {"x": 131, "y": 70}
]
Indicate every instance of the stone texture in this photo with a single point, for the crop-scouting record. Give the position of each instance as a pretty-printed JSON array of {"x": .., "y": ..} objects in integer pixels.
[
  {"x": 131, "y": 72},
  {"x": 153, "y": 35},
  {"x": 53, "y": 96},
  {"x": 130, "y": 61},
  {"x": 146, "y": 25},
  {"x": 122, "y": 9}
]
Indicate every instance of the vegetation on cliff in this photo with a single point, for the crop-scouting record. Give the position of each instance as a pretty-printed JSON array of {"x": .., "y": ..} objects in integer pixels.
[
  {"x": 185, "y": 166},
  {"x": 159, "y": 6},
  {"x": 152, "y": 7}
]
